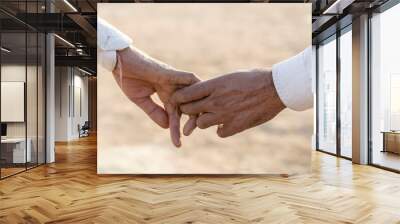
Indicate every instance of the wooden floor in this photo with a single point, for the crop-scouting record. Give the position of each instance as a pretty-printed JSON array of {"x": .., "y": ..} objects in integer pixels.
[
  {"x": 5, "y": 172},
  {"x": 69, "y": 191}
]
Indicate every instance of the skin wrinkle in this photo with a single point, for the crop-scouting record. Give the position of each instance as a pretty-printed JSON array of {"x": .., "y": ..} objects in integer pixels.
[
  {"x": 153, "y": 108},
  {"x": 235, "y": 102},
  {"x": 237, "y": 96},
  {"x": 238, "y": 101},
  {"x": 143, "y": 76},
  {"x": 206, "y": 120}
]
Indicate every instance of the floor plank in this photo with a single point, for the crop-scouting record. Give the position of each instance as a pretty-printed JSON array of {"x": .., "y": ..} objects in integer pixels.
[{"x": 70, "y": 191}]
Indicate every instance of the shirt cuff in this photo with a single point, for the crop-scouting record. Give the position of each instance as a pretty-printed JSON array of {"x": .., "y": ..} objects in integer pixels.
[
  {"x": 109, "y": 40},
  {"x": 293, "y": 81},
  {"x": 108, "y": 59}
]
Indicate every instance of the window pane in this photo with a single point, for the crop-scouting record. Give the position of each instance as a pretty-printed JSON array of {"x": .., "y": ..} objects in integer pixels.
[
  {"x": 13, "y": 86},
  {"x": 41, "y": 98},
  {"x": 386, "y": 89},
  {"x": 23, "y": 89},
  {"x": 32, "y": 89},
  {"x": 327, "y": 96},
  {"x": 31, "y": 97},
  {"x": 345, "y": 94}
]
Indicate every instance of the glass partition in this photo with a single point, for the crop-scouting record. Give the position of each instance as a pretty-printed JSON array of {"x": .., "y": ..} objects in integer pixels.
[
  {"x": 22, "y": 77},
  {"x": 13, "y": 109},
  {"x": 385, "y": 89},
  {"x": 41, "y": 107},
  {"x": 31, "y": 100},
  {"x": 34, "y": 53},
  {"x": 327, "y": 95}
]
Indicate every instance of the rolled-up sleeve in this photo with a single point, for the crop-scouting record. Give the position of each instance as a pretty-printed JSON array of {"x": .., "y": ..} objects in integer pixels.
[
  {"x": 109, "y": 40},
  {"x": 293, "y": 81}
]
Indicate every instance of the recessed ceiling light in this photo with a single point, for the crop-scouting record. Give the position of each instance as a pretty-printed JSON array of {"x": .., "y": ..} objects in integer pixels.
[
  {"x": 70, "y": 5},
  {"x": 84, "y": 71},
  {"x": 5, "y": 50},
  {"x": 338, "y": 6},
  {"x": 64, "y": 40}
]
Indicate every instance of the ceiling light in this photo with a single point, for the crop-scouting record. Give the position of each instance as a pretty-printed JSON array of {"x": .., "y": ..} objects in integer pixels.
[
  {"x": 70, "y": 5},
  {"x": 65, "y": 41},
  {"x": 79, "y": 51},
  {"x": 5, "y": 50},
  {"x": 84, "y": 71},
  {"x": 338, "y": 6}
]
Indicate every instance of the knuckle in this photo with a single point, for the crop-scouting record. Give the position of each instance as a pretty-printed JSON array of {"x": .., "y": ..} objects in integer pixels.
[
  {"x": 187, "y": 109},
  {"x": 184, "y": 108},
  {"x": 177, "y": 97},
  {"x": 194, "y": 77},
  {"x": 189, "y": 75},
  {"x": 215, "y": 103}
]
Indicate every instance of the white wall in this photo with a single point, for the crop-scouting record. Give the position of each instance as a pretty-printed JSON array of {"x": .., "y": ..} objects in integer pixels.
[
  {"x": 62, "y": 81},
  {"x": 13, "y": 94},
  {"x": 70, "y": 83},
  {"x": 81, "y": 103},
  {"x": 33, "y": 127},
  {"x": 12, "y": 73}
]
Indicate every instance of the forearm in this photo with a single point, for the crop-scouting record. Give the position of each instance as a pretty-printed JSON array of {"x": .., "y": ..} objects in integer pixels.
[{"x": 140, "y": 65}]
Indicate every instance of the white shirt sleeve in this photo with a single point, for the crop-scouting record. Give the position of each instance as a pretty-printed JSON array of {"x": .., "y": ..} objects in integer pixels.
[
  {"x": 293, "y": 81},
  {"x": 109, "y": 40}
]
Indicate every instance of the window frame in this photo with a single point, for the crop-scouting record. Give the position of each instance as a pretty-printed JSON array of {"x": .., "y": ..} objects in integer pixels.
[
  {"x": 378, "y": 10},
  {"x": 347, "y": 27},
  {"x": 27, "y": 29}
]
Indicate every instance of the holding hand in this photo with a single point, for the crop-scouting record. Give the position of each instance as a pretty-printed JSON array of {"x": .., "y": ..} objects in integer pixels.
[
  {"x": 235, "y": 102},
  {"x": 139, "y": 76}
]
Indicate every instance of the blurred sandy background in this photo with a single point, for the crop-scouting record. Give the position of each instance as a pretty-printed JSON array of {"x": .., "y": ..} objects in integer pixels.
[{"x": 208, "y": 39}]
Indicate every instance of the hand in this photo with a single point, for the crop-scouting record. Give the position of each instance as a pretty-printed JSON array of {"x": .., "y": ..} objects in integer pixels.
[
  {"x": 235, "y": 102},
  {"x": 139, "y": 76}
]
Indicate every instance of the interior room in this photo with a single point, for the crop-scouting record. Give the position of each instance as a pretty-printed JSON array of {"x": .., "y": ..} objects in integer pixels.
[
  {"x": 48, "y": 105},
  {"x": 71, "y": 100},
  {"x": 30, "y": 58},
  {"x": 22, "y": 101}
]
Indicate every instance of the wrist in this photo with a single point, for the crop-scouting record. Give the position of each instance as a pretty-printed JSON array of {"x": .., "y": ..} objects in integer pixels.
[
  {"x": 119, "y": 58},
  {"x": 271, "y": 90},
  {"x": 138, "y": 65}
]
